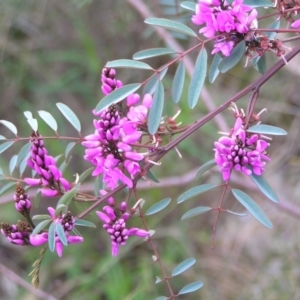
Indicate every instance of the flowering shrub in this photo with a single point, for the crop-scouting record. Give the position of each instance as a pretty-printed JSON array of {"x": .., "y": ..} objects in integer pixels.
[{"x": 131, "y": 135}]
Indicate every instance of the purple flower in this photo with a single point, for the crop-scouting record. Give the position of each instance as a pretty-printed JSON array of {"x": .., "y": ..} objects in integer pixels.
[
  {"x": 220, "y": 17},
  {"x": 242, "y": 151},
  {"x": 17, "y": 234},
  {"x": 224, "y": 47},
  {"x": 111, "y": 147},
  {"x": 109, "y": 83},
  {"x": 225, "y": 21},
  {"x": 296, "y": 24},
  {"x": 22, "y": 201},
  {"x": 68, "y": 223},
  {"x": 45, "y": 166},
  {"x": 115, "y": 225}
]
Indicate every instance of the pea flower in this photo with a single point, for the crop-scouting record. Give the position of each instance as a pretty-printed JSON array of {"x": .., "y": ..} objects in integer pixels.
[
  {"x": 68, "y": 223},
  {"x": 219, "y": 17},
  {"x": 111, "y": 147},
  {"x": 45, "y": 166},
  {"x": 241, "y": 151},
  {"x": 115, "y": 225}
]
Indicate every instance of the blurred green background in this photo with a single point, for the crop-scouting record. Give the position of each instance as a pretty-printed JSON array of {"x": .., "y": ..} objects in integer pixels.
[{"x": 53, "y": 51}]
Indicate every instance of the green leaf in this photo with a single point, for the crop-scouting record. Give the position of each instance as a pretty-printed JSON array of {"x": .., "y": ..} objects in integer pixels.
[
  {"x": 23, "y": 152},
  {"x": 48, "y": 118},
  {"x": 188, "y": 5},
  {"x": 258, "y": 3},
  {"x": 192, "y": 287},
  {"x": 117, "y": 95},
  {"x": 229, "y": 1},
  {"x": 267, "y": 129},
  {"x": 41, "y": 217},
  {"x": 158, "y": 280},
  {"x": 208, "y": 165},
  {"x": 262, "y": 64},
  {"x": 37, "y": 198},
  {"x": 5, "y": 146},
  {"x": 68, "y": 196},
  {"x": 80, "y": 222},
  {"x": 197, "y": 190},
  {"x": 40, "y": 227},
  {"x": 184, "y": 266},
  {"x": 61, "y": 234},
  {"x": 236, "y": 55},
  {"x": 152, "y": 53},
  {"x": 127, "y": 63},
  {"x": 195, "y": 212},
  {"x": 51, "y": 237},
  {"x": 12, "y": 164},
  {"x": 151, "y": 176},
  {"x": 23, "y": 163},
  {"x": 64, "y": 165},
  {"x": 98, "y": 185},
  {"x": 171, "y": 25},
  {"x": 156, "y": 109},
  {"x": 69, "y": 115},
  {"x": 214, "y": 68},
  {"x": 2, "y": 137},
  {"x": 151, "y": 85},
  {"x": 60, "y": 208},
  {"x": 69, "y": 147},
  {"x": 264, "y": 186},
  {"x": 10, "y": 126},
  {"x": 235, "y": 213},
  {"x": 274, "y": 25},
  {"x": 6, "y": 187},
  {"x": 155, "y": 208},
  {"x": 252, "y": 207},
  {"x": 31, "y": 121},
  {"x": 178, "y": 82},
  {"x": 85, "y": 174},
  {"x": 197, "y": 79}
]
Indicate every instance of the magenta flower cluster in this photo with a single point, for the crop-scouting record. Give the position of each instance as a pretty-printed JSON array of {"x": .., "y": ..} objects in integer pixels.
[
  {"x": 45, "y": 166},
  {"x": 109, "y": 82},
  {"x": 221, "y": 18},
  {"x": 17, "y": 234},
  {"x": 22, "y": 201},
  {"x": 110, "y": 148},
  {"x": 68, "y": 222},
  {"x": 242, "y": 151},
  {"x": 115, "y": 224}
]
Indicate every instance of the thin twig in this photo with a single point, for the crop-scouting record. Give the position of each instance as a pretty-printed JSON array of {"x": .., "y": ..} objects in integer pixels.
[{"x": 21, "y": 282}]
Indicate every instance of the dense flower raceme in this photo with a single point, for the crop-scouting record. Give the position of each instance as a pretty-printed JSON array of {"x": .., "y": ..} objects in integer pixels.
[
  {"x": 17, "y": 234},
  {"x": 109, "y": 82},
  {"x": 242, "y": 151},
  {"x": 22, "y": 201},
  {"x": 45, "y": 166},
  {"x": 115, "y": 224},
  {"x": 233, "y": 20},
  {"x": 68, "y": 222},
  {"x": 110, "y": 147}
]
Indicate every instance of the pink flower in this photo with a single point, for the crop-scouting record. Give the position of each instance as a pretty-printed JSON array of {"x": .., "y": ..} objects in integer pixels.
[
  {"x": 242, "y": 151},
  {"x": 111, "y": 147},
  {"x": 225, "y": 21},
  {"x": 224, "y": 47},
  {"x": 296, "y": 24},
  {"x": 68, "y": 223},
  {"x": 45, "y": 166},
  {"x": 220, "y": 17},
  {"x": 116, "y": 226}
]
